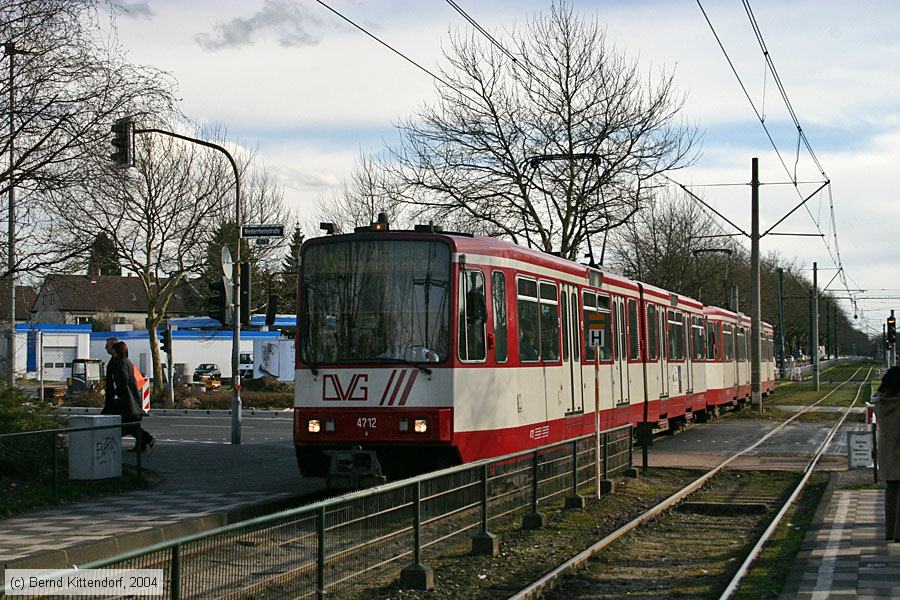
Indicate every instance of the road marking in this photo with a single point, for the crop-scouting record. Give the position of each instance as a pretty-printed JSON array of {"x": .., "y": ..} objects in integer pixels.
[
  {"x": 825, "y": 576},
  {"x": 193, "y": 441}
]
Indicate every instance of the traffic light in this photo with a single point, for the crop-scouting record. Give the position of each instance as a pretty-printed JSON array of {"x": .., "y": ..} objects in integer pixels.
[
  {"x": 218, "y": 305},
  {"x": 271, "y": 309},
  {"x": 166, "y": 342},
  {"x": 123, "y": 142},
  {"x": 891, "y": 331},
  {"x": 245, "y": 293}
]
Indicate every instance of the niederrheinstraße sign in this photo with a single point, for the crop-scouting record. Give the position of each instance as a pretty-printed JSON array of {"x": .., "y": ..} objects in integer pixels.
[{"x": 250, "y": 231}]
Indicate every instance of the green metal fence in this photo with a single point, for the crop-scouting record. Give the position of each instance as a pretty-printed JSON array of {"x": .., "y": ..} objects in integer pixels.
[
  {"x": 45, "y": 451},
  {"x": 338, "y": 544}
]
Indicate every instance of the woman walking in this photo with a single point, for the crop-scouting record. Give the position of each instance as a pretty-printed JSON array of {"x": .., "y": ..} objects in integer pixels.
[
  {"x": 887, "y": 409},
  {"x": 124, "y": 395}
]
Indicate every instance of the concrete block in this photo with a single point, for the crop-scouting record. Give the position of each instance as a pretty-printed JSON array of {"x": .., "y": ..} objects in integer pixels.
[
  {"x": 575, "y": 501},
  {"x": 417, "y": 577},
  {"x": 534, "y": 520},
  {"x": 95, "y": 454},
  {"x": 486, "y": 543}
]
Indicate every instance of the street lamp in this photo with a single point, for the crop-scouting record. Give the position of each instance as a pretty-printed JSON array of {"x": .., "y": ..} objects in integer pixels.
[{"x": 10, "y": 50}]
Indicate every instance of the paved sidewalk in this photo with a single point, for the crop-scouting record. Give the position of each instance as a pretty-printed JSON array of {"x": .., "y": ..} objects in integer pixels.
[
  {"x": 844, "y": 554},
  {"x": 203, "y": 486}
]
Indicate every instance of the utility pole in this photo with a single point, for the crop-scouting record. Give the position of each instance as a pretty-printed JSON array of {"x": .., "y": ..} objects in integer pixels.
[
  {"x": 779, "y": 348},
  {"x": 834, "y": 337},
  {"x": 815, "y": 326},
  {"x": 755, "y": 347},
  {"x": 884, "y": 343}
]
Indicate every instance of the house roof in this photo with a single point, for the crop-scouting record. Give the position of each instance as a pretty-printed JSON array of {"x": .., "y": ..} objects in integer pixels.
[
  {"x": 25, "y": 297},
  {"x": 112, "y": 293}
]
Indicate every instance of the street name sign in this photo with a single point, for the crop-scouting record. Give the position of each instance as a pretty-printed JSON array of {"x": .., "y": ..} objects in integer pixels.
[{"x": 262, "y": 231}]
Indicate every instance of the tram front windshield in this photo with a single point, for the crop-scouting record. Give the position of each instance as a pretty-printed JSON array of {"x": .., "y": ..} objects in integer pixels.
[{"x": 375, "y": 300}]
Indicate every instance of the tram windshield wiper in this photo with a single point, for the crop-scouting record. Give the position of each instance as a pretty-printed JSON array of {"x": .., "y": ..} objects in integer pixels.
[{"x": 399, "y": 361}]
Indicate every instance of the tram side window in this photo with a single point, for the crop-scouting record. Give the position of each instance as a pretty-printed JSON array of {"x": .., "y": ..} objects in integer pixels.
[
  {"x": 728, "y": 341},
  {"x": 564, "y": 308},
  {"x": 675, "y": 333},
  {"x": 634, "y": 332},
  {"x": 741, "y": 344},
  {"x": 527, "y": 310},
  {"x": 498, "y": 292},
  {"x": 472, "y": 315},
  {"x": 597, "y": 306},
  {"x": 710, "y": 341},
  {"x": 549, "y": 322},
  {"x": 576, "y": 341},
  {"x": 699, "y": 338},
  {"x": 652, "y": 333}
]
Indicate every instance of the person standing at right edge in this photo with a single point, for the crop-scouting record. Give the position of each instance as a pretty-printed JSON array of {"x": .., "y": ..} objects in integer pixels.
[{"x": 887, "y": 409}]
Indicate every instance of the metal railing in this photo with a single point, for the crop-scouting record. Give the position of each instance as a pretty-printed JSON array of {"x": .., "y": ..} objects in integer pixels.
[
  {"x": 333, "y": 545},
  {"x": 57, "y": 444}
]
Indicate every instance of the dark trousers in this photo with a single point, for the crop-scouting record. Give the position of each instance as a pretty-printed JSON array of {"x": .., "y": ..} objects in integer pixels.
[
  {"x": 892, "y": 511},
  {"x": 133, "y": 428}
]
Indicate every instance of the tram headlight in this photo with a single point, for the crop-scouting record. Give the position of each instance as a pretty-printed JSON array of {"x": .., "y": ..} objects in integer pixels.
[
  {"x": 420, "y": 425},
  {"x": 314, "y": 426},
  {"x": 404, "y": 425},
  {"x": 329, "y": 425}
]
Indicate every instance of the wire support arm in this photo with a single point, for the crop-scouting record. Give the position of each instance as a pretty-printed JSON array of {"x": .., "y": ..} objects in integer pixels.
[{"x": 795, "y": 209}]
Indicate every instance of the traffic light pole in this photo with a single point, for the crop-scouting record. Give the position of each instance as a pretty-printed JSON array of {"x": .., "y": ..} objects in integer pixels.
[
  {"x": 170, "y": 360},
  {"x": 236, "y": 408},
  {"x": 892, "y": 359}
]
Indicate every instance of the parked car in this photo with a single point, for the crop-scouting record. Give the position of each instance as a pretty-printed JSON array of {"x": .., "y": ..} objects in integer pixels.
[{"x": 207, "y": 371}]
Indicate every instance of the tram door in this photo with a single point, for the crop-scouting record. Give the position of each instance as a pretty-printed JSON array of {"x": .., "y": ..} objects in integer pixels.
[
  {"x": 620, "y": 364},
  {"x": 688, "y": 352},
  {"x": 572, "y": 386},
  {"x": 662, "y": 344}
]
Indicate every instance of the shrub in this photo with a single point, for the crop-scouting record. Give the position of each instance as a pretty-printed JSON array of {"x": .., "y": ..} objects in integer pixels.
[{"x": 25, "y": 455}]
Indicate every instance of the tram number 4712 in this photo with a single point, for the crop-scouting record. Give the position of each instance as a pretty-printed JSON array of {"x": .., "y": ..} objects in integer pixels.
[{"x": 366, "y": 422}]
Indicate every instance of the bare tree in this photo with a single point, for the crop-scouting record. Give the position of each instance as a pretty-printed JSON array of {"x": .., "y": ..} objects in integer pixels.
[
  {"x": 658, "y": 246},
  {"x": 160, "y": 216},
  {"x": 549, "y": 150},
  {"x": 70, "y": 82},
  {"x": 358, "y": 200}
]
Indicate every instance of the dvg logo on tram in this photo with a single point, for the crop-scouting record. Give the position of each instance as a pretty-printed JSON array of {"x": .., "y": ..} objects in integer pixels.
[{"x": 357, "y": 389}]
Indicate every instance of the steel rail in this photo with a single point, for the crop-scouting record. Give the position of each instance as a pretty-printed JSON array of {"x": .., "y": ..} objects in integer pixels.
[
  {"x": 744, "y": 569},
  {"x": 548, "y": 581}
]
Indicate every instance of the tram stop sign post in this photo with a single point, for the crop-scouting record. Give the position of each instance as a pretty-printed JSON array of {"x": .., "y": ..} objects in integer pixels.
[
  {"x": 594, "y": 334},
  {"x": 596, "y": 330}
]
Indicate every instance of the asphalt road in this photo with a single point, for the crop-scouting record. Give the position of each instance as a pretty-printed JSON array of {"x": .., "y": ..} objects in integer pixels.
[{"x": 217, "y": 430}]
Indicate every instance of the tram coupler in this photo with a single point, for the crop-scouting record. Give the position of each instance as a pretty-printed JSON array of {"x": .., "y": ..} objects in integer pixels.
[{"x": 354, "y": 469}]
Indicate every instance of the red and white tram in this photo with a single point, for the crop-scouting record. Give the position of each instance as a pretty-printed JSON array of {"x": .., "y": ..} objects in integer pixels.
[{"x": 433, "y": 349}]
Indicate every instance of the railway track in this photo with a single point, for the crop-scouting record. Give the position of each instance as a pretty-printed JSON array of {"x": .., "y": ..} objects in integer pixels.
[{"x": 694, "y": 522}]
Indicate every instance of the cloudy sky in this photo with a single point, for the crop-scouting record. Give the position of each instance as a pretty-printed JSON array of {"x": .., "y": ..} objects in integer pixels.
[{"x": 310, "y": 92}]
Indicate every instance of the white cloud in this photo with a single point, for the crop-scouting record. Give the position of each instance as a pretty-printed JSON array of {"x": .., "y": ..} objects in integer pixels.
[{"x": 288, "y": 22}]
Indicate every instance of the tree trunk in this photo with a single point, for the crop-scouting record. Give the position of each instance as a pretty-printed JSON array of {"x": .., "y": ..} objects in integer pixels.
[{"x": 158, "y": 391}]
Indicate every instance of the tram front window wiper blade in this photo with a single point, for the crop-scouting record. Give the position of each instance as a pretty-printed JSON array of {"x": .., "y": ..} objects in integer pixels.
[
  {"x": 403, "y": 361},
  {"x": 399, "y": 361}
]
